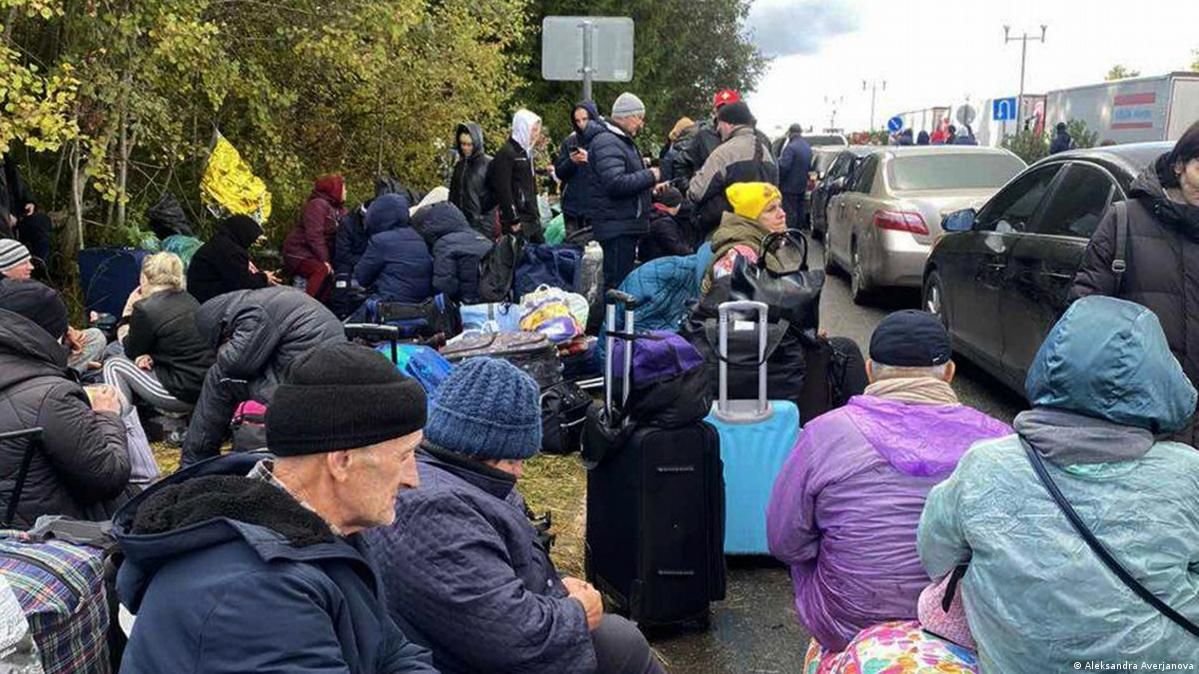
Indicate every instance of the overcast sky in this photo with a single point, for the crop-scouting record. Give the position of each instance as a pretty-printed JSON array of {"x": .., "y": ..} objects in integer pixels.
[{"x": 940, "y": 52}]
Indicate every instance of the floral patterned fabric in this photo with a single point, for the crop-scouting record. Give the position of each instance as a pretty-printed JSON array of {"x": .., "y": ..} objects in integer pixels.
[{"x": 892, "y": 648}]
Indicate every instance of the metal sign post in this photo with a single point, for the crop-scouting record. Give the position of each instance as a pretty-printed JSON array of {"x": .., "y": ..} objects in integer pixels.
[
  {"x": 587, "y": 29},
  {"x": 588, "y": 49}
]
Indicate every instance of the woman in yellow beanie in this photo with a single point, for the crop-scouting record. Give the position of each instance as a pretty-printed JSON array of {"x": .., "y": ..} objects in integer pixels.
[{"x": 757, "y": 212}]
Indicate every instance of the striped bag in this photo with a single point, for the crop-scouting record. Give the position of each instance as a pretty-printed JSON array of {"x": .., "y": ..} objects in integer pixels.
[{"x": 60, "y": 587}]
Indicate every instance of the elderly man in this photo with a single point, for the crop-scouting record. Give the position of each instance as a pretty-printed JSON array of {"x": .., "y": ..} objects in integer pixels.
[
  {"x": 620, "y": 198},
  {"x": 846, "y": 505},
  {"x": 744, "y": 156},
  {"x": 466, "y": 572},
  {"x": 252, "y": 563}
]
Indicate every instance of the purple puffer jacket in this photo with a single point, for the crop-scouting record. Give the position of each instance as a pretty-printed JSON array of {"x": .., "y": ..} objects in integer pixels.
[{"x": 846, "y": 505}]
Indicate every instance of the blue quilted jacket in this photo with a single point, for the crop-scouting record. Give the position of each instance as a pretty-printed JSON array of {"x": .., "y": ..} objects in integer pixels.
[{"x": 466, "y": 576}]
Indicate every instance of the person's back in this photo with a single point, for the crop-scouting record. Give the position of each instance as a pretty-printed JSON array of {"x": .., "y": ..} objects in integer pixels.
[
  {"x": 457, "y": 249},
  {"x": 163, "y": 327},
  {"x": 794, "y": 166},
  {"x": 846, "y": 505},
  {"x": 397, "y": 263},
  {"x": 222, "y": 264},
  {"x": 1037, "y": 598},
  {"x": 80, "y": 460},
  {"x": 1061, "y": 139}
]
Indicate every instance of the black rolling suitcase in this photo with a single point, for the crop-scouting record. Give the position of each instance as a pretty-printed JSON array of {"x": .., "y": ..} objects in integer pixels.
[{"x": 655, "y": 509}]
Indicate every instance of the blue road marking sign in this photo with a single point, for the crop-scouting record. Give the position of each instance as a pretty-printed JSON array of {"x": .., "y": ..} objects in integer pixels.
[
  {"x": 895, "y": 124},
  {"x": 1003, "y": 109}
]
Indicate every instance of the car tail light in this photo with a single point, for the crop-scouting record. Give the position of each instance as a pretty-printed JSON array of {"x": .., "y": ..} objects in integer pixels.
[{"x": 900, "y": 221}]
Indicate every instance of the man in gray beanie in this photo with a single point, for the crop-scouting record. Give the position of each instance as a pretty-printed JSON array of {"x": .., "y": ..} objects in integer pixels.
[
  {"x": 621, "y": 201},
  {"x": 465, "y": 572}
]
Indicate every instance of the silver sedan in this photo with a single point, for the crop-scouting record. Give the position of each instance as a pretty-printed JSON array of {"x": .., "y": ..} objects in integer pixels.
[{"x": 881, "y": 228}]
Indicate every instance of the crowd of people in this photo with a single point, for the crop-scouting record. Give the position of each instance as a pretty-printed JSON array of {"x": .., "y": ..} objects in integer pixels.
[{"x": 385, "y": 532}]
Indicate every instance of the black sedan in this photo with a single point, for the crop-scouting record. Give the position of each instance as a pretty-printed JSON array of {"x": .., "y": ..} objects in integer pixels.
[
  {"x": 834, "y": 171},
  {"x": 1000, "y": 277}
]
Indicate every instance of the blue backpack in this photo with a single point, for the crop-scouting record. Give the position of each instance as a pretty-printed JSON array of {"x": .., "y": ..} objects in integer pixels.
[{"x": 421, "y": 363}]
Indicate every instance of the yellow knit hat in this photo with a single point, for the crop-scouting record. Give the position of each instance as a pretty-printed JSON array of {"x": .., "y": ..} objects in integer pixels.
[{"x": 750, "y": 199}]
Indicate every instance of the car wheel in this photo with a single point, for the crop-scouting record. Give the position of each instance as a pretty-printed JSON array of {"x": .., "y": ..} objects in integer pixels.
[
  {"x": 859, "y": 286},
  {"x": 934, "y": 298}
]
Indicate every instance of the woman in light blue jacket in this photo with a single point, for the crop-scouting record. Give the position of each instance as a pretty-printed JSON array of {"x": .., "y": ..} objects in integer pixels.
[{"x": 1037, "y": 598}]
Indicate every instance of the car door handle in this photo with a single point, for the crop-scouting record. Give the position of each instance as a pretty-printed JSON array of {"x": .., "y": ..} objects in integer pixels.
[{"x": 1060, "y": 276}]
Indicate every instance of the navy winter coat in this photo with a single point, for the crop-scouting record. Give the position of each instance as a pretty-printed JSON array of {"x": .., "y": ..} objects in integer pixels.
[
  {"x": 623, "y": 186},
  {"x": 578, "y": 183},
  {"x": 397, "y": 263},
  {"x": 794, "y": 165},
  {"x": 466, "y": 575},
  {"x": 232, "y": 574},
  {"x": 352, "y": 238},
  {"x": 457, "y": 249}
]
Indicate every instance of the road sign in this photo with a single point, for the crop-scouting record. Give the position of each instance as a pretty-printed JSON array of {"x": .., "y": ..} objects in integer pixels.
[
  {"x": 966, "y": 115},
  {"x": 596, "y": 48},
  {"x": 895, "y": 124},
  {"x": 1004, "y": 109}
]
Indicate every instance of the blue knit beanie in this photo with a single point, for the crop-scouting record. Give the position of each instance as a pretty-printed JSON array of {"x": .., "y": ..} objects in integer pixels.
[{"x": 487, "y": 409}]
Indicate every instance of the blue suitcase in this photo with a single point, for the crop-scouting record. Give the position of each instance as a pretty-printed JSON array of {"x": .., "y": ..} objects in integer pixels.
[{"x": 756, "y": 437}]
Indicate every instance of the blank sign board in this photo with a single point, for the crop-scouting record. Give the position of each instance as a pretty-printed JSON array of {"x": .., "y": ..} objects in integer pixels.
[{"x": 563, "y": 40}]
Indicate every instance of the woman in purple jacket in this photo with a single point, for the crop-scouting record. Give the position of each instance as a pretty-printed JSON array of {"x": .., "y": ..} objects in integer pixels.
[{"x": 845, "y": 507}]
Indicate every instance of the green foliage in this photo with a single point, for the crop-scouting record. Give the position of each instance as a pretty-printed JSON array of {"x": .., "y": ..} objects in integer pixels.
[
  {"x": 1027, "y": 145},
  {"x": 684, "y": 53},
  {"x": 1195, "y": 63},
  {"x": 1119, "y": 72},
  {"x": 1080, "y": 134}
]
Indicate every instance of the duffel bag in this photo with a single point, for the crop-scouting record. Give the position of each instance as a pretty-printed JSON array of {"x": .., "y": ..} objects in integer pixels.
[
  {"x": 493, "y": 317},
  {"x": 249, "y": 426},
  {"x": 438, "y": 315},
  {"x": 530, "y": 351},
  {"x": 563, "y": 412},
  {"x": 422, "y": 363},
  {"x": 554, "y": 266}
]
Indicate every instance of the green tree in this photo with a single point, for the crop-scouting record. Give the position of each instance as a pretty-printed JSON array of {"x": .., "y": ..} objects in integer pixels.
[
  {"x": 1028, "y": 145},
  {"x": 1119, "y": 72},
  {"x": 684, "y": 53},
  {"x": 1080, "y": 134},
  {"x": 1195, "y": 63}
]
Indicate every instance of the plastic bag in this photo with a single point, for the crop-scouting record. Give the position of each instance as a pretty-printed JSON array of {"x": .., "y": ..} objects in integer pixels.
[{"x": 546, "y": 310}]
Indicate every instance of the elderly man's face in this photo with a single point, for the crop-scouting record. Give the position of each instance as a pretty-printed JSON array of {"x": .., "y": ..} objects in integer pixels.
[
  {"x": 376, "y": 477},
  {"x": 21, "y": 272}
]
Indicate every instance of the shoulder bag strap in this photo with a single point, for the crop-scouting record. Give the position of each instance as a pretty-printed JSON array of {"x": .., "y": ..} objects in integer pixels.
[
  {"x": 1120, "y": 259},
  {"x": 10, "y": 512},
  {"x": 774, "y": 239},
  {"x": 1100, "y": 550}
]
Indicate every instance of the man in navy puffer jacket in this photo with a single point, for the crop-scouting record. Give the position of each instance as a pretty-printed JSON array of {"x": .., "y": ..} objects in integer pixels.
[
  {"x": 397, "y": 263},
  {"x": 457, "y": 249}
]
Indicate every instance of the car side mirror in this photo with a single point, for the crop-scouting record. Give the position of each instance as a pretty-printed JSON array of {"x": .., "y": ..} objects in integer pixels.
[{"x": 960, "y": 221}]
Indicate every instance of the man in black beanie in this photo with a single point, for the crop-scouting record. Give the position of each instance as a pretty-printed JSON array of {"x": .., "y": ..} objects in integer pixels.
[
  {"x": 666, "y": 234},
  {"x": 252, "y": 562},
  {"x": 744, "y": 156}
]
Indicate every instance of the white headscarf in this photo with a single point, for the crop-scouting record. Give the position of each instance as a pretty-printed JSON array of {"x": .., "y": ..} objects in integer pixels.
[{"x": 522, "y": 129}]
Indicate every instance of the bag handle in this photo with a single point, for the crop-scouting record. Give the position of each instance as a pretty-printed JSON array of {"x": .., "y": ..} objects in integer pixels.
[
  {"x": 34, "y": 434},
  {"x": 1100, "y": 550},
  {"x": 1120, "y": 259},
  {"x": 775, "y": 239},
  {"x": 762, "y": 405},
  {"x": 615, "y": 297}
]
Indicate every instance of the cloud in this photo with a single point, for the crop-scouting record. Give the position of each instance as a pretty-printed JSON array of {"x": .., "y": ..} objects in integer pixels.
[{"x": 799, "y": 27}]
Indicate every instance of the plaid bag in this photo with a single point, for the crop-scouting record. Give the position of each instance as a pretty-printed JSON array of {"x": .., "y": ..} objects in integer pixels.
[{"x": 60, "y": 587}]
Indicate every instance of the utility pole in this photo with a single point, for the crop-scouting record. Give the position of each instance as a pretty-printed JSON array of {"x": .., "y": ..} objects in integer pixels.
[
  {"x": 874, "y": 86},
  {"x": 833, "y": 104},
  {"x": 1023, "y": 40}
]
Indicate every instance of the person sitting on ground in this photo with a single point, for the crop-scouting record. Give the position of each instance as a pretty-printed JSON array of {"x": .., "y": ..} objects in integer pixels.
[
  {"x": 1103, "y": 387},
  {"x": 462, "y": 564},
  {"x": 396, "y": 266},
  {"x": 164, "y": 359},
  {"x": 666, "y": 236},
  {"x": 308, "y": 248},
  {"x": 757, "y": 211},
  {"x": 86, "y": 346},
  {"x": 266, "y": 547},
  {"x": 79, "y": 463},
  {"x": 457, "y": 249},
  {"x": 854, "y": 567},
  {"x": 222, "y": 265},
  {"x": 256, "y": 335}
]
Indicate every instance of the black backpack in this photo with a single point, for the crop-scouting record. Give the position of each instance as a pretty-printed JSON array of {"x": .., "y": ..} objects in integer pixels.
[{"x": 497, "y": 269}]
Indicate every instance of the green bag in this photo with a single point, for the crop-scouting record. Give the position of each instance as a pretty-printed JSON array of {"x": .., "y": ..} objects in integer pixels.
[{"x": 555, "y": 232}]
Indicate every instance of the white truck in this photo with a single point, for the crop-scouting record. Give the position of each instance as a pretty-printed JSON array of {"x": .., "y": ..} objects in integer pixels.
[{"x": 1134, "y": 110}]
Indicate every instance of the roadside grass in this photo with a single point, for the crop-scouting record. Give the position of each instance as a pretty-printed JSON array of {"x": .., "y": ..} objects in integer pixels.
[{"x": 550, "y": 483}]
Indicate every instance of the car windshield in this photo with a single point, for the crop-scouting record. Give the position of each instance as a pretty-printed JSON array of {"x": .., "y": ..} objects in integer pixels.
[
  {"x": 953, "y": 171},
  {"x": 824, "y": 160},
  {"x": 817, "y": 141}
]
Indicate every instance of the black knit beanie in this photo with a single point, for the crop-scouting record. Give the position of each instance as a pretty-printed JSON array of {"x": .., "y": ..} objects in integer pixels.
[
  {"x": 737, "y": 114},
  {"x": 37, "y": 302},
  {"x": 342, "y": 396}
]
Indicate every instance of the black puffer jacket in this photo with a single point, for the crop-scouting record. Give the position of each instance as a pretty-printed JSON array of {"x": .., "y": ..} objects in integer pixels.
[
  {"x": 468, "y": 184},
  {"x": 456, "y": 249},
  {"x": 256, "y": 334},
  {"x": 81, "y": 460},
  {"x": 223, "y": 263},
  {"x": 620, "y": 200},
  {"x": 163, "y": 326},
  {"x": 1163, "y": 266}
]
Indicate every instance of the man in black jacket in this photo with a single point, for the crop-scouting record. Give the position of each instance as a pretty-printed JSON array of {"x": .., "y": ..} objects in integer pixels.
[
  {"x": 743, "y": 157},
  {"x": 256, "y": 335},
  {"x": 511, "y": 182},
  {"x": 223, "y": 263},
  {"x": 80, "y": 463},
  {"x": 468, "y": 184},
  {"x": 620, "y": 204},
  {"x": 692, "y": 155}
]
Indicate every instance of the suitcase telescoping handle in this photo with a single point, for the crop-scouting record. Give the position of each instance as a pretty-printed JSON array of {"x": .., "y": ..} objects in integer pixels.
[
  {"x": 375, "y": 332},
  {"x": 739, "y": 411},
  {"x": 615, "y": 297},
  {"x": 14, "y": 498}
]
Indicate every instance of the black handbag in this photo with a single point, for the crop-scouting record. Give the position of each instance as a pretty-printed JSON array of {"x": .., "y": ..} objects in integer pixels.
[
  {"x": 791, "y": 295},
  {"x": 1100, "y": 550}
]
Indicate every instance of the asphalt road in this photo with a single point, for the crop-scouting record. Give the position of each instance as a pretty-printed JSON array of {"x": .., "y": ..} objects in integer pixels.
[{"x": 754, "y": 631}]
